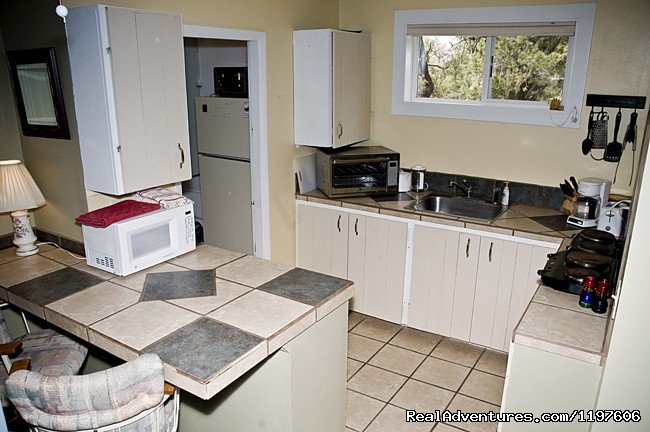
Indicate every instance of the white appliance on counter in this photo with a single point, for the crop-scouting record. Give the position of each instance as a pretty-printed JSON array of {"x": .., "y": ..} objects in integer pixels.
[
  {"x": 223, "y": 137},
  {"x": 140, "y": 242}
]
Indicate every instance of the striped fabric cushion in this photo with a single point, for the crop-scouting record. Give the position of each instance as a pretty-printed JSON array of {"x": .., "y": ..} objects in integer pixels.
[{"x": 68, "y": 403}]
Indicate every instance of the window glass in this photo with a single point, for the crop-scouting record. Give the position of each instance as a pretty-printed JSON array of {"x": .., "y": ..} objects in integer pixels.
[
  {"x": 529, "y": 68},
  {"x": 451, "y": 67}
]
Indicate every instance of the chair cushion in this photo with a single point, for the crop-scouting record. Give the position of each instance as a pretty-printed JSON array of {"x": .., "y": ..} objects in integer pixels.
[{"x": 52, "y": 353}]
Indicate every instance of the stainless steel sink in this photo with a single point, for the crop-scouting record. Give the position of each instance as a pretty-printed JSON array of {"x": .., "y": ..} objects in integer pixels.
[{"x": 458, "y": 206}]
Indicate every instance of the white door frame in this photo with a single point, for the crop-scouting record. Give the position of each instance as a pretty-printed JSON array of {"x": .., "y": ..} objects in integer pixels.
[{"x": 256, "y": 42}]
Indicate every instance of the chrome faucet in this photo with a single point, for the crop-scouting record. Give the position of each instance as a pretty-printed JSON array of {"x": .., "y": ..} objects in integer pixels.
[{"x": 465, "y": 187}]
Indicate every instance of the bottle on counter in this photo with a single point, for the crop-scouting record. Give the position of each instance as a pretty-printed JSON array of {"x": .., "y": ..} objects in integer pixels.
[
  {"x": 599, "y": 298},
  {"x": 505, "y": 197},
  {"x": 588, "y": 285}
]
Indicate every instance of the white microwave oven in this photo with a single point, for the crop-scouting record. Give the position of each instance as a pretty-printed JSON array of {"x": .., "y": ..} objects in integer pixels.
[{"x": 139, "y": 242}]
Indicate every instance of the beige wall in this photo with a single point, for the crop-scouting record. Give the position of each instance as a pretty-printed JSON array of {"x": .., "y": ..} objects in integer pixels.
[
  {"x": 619, "y": 64},
  {"x": 55, "y": 164},
  {"x": 278, "y": 19},
  {"x": 9, "y": 136}
]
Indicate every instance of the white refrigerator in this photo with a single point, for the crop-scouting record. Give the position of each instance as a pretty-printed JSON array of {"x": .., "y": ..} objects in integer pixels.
[{"x": 223, "y": 138}]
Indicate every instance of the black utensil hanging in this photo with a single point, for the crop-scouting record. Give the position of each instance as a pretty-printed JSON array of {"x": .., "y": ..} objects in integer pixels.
[
  {"x": 614, "y": 149},
  {"x": 630, "y": 132},
  {"x": 587, "y": 143}
]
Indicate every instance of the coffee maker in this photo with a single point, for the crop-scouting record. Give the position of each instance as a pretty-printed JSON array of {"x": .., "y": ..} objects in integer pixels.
[{"x": 593, "y": 195}]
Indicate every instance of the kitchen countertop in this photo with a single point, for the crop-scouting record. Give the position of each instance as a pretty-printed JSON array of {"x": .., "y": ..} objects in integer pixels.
[
  {"x": 556, "y": 323},
  {"x": 205, "y": 341},
  {"x": 519, "y": 220}
]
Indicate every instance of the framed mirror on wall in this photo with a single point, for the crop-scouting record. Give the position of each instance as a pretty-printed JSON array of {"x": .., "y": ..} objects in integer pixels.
[{"x": 38, "y": 94}]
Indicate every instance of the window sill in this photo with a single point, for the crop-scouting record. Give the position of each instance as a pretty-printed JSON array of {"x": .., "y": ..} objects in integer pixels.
[{"x": 502, "y": 112}]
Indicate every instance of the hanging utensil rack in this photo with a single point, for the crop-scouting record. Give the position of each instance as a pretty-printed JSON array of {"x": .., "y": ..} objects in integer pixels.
[{"x": 612, "y": 101}]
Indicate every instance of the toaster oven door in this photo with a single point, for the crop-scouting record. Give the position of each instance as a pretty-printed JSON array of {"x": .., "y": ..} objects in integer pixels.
[{"x": 351, "y": 176}]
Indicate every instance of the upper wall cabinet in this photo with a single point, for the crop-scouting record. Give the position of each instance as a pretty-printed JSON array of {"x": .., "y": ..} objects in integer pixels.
[
  {"x": 129, "y": 91},
  {"x": 331, "y": 87}
]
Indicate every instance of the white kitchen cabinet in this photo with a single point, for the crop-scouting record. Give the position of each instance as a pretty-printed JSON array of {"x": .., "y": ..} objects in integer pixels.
[
  {"x": 376, "y": 265},
  {"x": 331, "y": 87},
  {"x": 471, "y": 287},
  {"x": 129, "y": 90},
  {"x": 322, "y": 240}
]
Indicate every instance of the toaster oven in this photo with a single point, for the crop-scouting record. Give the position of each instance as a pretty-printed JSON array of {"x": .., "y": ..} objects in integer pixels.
[{"x": 357, "y": 171}]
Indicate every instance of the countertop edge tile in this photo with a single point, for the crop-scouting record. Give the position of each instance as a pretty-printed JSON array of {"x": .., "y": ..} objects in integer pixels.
[
  {"x": 408, "y": 214},
  {"x": 540, "y": 236},
  {"x": 333, "y": 303},
  {"x": 324, "y": 201},
  {"x": 30, "y": 307},
  {"x": 561, "y": 350},
  {"x": 361, "y": 207},
  {"x": 239, "y": 368},
  {"x": 443, "y": 221},
  {"x": 178, "y": 378},
  {"x": 65, "y": 323},
  {"x": 488, "y": 228},
  {"x": 290, "y": 331},
  {"x": 4, "y": 294},
  {"x": 112, "y": 346}
]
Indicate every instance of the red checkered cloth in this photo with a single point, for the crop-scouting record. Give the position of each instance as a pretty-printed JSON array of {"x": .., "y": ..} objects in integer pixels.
[{"x": 105, "y": 216}]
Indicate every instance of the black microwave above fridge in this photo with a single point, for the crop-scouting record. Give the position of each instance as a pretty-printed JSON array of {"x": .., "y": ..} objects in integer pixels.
[{"x": 357, "y": 171}]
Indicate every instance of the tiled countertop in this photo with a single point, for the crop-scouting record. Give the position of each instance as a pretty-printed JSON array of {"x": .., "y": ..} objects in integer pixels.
[
  {"x": 206, "y": 342},
  {"x": 520, "y": 220}
]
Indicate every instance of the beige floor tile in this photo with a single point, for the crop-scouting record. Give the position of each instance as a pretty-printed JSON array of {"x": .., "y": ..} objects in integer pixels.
[
  {"x": 376, "y": 382},
  {"x": 354, "y": 318},
  {"x": 251, "y": 271},
  {"x": 261, "y": 313},
  {"x": 27, "y": 268},
  {"x": 422, "y": 397},
  {"x": 441, "y": 427},
  {"x": 226, "y": 291},
  {"x": 206, "y": 257},
  {"x": 493, "y": 362},
  {"x": 466, "y": 404},
  {"x": 393, "y": 419},
  {"x": 398, "y": 360},
  {"x": 416, "y": 340},
  {"x": 376, "y": 329},
  {"x": 483, "y": 386},
  {"x": 362, "y": 348},
  {"x": 442, "y": 373},
  {"x": 457, "y": 352},
  {"x": 360, "y": 410},
  {"x": 353, "y": 367},
  {"x": 62, "y": 256}
]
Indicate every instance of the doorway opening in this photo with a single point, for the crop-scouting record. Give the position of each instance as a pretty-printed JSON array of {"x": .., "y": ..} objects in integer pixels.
[{"x": 228, "y": 136}]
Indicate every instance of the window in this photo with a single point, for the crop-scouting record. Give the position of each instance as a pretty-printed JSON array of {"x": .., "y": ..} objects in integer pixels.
[{"x": 497, "y": 64}]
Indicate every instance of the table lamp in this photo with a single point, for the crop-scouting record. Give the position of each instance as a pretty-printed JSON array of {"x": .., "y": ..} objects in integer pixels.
[{"x": 19, "y": 193}]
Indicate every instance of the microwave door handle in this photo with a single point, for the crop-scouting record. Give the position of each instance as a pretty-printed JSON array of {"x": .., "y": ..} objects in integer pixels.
[{"x": 356, "y": 161}]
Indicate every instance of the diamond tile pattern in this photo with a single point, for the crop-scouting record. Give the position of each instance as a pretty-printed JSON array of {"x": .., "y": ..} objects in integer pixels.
[
  {"x": 392, "y": 369},
  {"x": 54, "y": 286},
  {"x": 305, "y": 286},
  {"x": 178, "y": 285}
]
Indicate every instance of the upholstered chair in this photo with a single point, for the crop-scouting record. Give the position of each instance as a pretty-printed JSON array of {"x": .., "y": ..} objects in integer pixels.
[
  {"x": 46, "y": 351},
  {"x": 131, "y": 397}
]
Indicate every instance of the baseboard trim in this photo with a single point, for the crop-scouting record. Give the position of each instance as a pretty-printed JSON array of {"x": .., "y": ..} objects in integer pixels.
[{"x": 66, "y": 243}]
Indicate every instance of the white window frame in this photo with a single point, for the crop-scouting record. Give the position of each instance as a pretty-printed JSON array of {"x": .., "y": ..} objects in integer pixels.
[{"x": 404, "y": 102}]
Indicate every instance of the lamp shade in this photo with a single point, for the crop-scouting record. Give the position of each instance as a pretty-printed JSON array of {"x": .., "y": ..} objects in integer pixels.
[{"x": 18, "y": 190}]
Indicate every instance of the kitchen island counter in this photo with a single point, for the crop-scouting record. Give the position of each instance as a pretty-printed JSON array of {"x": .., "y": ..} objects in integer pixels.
[{"x": 206, "y": 341}]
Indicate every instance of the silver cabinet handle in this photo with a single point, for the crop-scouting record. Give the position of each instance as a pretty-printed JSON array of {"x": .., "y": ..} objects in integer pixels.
[
  {"x": 338, "y": 224},
  {"x": 356, "y": 223},
  {"x": 490, "y": 253},
  {"x": 340, "y": 130},
  {"x": 467, "y": 248},
  {"x": 182, "y": 156}
]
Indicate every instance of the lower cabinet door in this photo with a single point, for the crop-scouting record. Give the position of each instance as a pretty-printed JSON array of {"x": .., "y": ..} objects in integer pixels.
[
  {"x": 466, "y": 271},
  {"x": 377, "y": 263},
  {"x": 322, "y": 240},
  {"x": 433, "y": 278}
]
